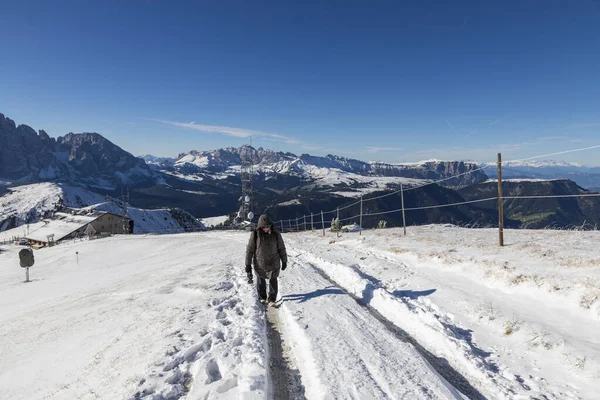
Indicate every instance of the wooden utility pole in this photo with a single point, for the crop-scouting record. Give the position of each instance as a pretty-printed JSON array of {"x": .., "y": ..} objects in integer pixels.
[
  {"x": 500, "y": 202},
  {"x": 323, "y": 222},
  {"x": 403, "y": 216},
  {"x": 360, "y": 225}
]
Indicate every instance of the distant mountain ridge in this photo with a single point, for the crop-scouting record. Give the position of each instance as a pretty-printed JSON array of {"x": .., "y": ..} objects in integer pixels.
[
  {"x": 29, "y": 157},
  {"x": 586, "y": 177},
  {"x": 287, "y": 186},
  {"x": 540, "y": 212},
  {"x": 270, "y": 162}
]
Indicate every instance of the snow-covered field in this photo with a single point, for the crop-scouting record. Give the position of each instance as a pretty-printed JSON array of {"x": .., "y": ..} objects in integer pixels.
[
  {"x": 376, "y": 316},
  {"x": 214, "y": 221},
  {"x": 22, "y": 201},
  {"x": 162, "y": 314},
  {"x": 522, "y": 320}
]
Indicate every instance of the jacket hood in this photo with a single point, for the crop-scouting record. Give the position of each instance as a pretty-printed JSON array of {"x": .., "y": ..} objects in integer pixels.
[{"x": 264, "y": 222}]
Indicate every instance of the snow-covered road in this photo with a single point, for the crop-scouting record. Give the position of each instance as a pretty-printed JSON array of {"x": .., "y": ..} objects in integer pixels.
[
  {"x": 343, "y": 351},
  {"x": 156, "y": 315},
  {"x": 519, "y": 322},
  {"x": 380, "y": 316},
  {"x": 161, "y": 317}
]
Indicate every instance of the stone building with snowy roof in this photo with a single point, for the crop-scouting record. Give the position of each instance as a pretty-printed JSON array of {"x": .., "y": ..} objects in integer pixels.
[{"x": 72, "y": 225}]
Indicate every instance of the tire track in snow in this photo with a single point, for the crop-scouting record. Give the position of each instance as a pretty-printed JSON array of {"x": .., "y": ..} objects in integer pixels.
[
  {"x": 427, "y": 323},
  {"x": 440, "y": 364},
  {"x": 343, "y": 353}
]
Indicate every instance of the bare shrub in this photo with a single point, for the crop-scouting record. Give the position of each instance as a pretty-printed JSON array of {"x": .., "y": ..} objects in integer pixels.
[
  {"x": 396, "y": 250},
  {"x": 543, "y": 340},
  {"x": 511, "y": 326},
  {"x": 488, "y": 312}
]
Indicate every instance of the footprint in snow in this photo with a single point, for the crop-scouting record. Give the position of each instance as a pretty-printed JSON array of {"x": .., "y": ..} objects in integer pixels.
[
  {"x": 213, "y": 372},
  {"x": 225, "y": 286},
  {"x": 219, "y": 335}
]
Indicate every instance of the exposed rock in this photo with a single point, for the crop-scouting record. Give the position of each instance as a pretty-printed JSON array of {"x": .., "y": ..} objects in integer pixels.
[{"x": 27, "y": 156}]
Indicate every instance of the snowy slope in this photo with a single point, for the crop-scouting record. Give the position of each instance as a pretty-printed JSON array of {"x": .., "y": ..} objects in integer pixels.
[
  {"x": 159, "y": 317},
  {"x": 33, "y": 200},
  {"x": 378, "y": 316},
  {"x": 132, "y": 316},
  {"x": 214, "y": 221},
  {"x": 154, "y": 221},
  {"x": 522, "y": 320}
]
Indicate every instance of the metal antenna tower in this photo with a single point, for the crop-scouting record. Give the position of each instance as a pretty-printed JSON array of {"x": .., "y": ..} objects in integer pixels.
[
  {"x": 124, "y": 203},
  {"x": 247, "y": 173}
]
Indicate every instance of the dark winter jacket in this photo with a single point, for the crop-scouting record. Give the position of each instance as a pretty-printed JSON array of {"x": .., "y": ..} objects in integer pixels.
[{"x": 266, "y": 250}]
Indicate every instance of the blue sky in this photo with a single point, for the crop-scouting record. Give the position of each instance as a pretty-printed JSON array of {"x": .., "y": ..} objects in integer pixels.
[{"x": 391, "y": 81}]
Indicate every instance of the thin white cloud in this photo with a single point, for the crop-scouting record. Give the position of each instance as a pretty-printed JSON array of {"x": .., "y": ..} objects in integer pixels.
[
  {"x": 583, "y": 125},
  {"x": 451, "y": 127},
  {"x": 382, "y": 149},
  {"x": 229, "y": 131},
  {"x": 311, "y": 147},
  {"x": 546, "y": 138},
  {"x": 498, "y": 120},
  {"x": 471, "y": 133}
]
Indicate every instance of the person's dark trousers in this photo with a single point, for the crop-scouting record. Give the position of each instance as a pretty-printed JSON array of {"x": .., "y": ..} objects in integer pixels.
[{"x": 261, "y": 286}]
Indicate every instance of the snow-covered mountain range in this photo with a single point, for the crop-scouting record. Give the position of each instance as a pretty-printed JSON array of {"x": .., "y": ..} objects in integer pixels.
[
  {"x": 89, "y": 158},
  {"x": 208, "y": 183},
  {"x": 328, "y": 170},
  {"x": 585, "y": 176}
]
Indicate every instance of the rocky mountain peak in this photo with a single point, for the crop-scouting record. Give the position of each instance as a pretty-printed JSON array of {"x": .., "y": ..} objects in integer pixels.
[{"x": 27, "y": 156}]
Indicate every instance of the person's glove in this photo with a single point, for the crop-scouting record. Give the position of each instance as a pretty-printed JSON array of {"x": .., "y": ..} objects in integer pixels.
[
  {"x": 249, "y": 273},
  {"x": 283, "y": 266}
]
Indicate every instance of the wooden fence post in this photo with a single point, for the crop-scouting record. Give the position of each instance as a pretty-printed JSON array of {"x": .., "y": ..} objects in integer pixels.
[
  {"x": 403, "y": 217},
  {"x": 500, "y": 203},
  {"x": 361, "y": 210},
  {"x": 323, "y": 222}
]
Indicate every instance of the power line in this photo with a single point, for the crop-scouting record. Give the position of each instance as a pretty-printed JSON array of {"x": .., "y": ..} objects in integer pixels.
[
  {"x": 554, "y": 154},
  {"x": 427, "y": 184},
  {"x": 429, "y": 207},
  {"x": 397, "y": 191},
  {"x": 457, "y": 176},
  {"x": 553, "y": 196}
]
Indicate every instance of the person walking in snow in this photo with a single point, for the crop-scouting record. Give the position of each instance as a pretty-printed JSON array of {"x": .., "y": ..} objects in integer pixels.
[{"x": 267, "y": 250}]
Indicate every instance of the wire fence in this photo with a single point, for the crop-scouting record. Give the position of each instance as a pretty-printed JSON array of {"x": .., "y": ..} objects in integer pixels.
[
  {"x": 294, "y": 225},
  {"x": 358, "y": 216}
]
